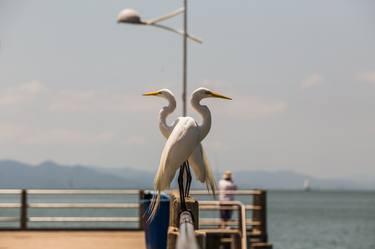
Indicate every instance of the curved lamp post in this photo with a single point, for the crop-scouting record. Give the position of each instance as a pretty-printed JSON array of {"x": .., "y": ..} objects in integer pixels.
[{"x": 131, "y": 16}]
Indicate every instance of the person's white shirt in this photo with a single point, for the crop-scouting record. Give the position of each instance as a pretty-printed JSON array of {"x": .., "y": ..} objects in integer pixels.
[{"x": 225, "y": 189}]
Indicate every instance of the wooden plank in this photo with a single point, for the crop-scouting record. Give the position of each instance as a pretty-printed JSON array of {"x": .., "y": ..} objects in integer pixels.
[
  {"x": 9, "y": 219},
  {"x": 10, "y": 191},
  {"x": 84, "y": 191},
  {"x": 261, "y": 246},
  {"x": 235, "y": 192},
  {"x": 115, "y": 191},
  {"x": 10, "y": 205},
  {"x": 217, "y": 221},
  {"x": 217, "y": 207},
  {"x": 83, "y": 219},
  {"x": 84, "y": 205},
  {"x": 220, "y": 231},
  {"x": 228, "y": 231},
  {"x": 73, "y": 240},
  {"x": 253, "y": 207},
  {"x": 221, "y": 207}
]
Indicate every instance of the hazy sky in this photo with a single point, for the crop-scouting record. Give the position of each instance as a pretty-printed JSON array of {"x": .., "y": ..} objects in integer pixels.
[{"x": 301, "y": 74}]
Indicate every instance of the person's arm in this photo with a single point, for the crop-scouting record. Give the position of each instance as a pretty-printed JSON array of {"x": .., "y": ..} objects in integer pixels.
[{"x": 232, "y": 186}]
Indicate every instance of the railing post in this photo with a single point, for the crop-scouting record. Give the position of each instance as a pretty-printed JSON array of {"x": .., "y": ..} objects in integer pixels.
[
  {"x": 23, "y": 220},
  {"x": 176, "y": 220},
  {"x": 174, "y": 210},
  {"x": 141, "y": 210},
  {"x": 261, "y": 215}
]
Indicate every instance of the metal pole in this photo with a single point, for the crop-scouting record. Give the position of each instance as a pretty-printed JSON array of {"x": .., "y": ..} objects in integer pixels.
[{"x": 184, "y": 64}]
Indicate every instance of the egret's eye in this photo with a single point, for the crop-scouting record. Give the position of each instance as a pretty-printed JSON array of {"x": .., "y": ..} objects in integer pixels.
[{"x": 207, "y": 92}]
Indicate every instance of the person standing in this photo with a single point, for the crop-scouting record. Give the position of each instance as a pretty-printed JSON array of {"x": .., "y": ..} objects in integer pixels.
[{"x": 226, "y": 188}]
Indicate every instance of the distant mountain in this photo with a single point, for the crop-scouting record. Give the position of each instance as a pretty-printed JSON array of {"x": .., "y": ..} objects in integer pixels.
[
  {"x": 49, "y": 174},
  {"x": 142, "y": 177},
  {"x": 291, "y": 180},
  {"x": 52, "y": 175}
]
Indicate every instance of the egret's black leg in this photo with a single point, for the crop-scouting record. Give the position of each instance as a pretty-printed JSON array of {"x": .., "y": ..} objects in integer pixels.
[
  {"x": 185, "y": 177},
  {"x": 181, "y": 187},
  {"x": 188, "y": 179}
]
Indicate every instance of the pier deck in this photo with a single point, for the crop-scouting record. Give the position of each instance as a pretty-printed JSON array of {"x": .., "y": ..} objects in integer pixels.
[{"x": 72, "y": 240}]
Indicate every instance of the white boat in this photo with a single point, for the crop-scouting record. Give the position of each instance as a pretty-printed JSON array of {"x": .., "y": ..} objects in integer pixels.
[{"x": 306, "y": 185}]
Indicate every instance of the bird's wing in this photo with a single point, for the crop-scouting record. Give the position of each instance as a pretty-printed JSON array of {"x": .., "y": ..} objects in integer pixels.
[
  {"x": 201, "y": 167},
  {"x": 179, "y": 146},
  {"x": 197, "y": 163}
]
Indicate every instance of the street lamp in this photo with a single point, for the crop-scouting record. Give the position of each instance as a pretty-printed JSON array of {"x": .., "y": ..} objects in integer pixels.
[{"x": 131, "y": 16}]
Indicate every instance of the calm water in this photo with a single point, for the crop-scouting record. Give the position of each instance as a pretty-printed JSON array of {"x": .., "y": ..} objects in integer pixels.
[
  {"x": 296, "y": 220},
  {"x": 324, "y": 220}
]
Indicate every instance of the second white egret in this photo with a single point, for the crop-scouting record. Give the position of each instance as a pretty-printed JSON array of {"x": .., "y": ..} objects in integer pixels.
[
  {"x": 184, "y": 139},
  {"x": 198, "y": 159}
]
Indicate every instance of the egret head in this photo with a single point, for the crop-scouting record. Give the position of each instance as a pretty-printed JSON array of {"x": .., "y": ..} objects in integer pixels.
[
  {"x": 203, "y": 92},
  {"x": 163, "y": 93}
]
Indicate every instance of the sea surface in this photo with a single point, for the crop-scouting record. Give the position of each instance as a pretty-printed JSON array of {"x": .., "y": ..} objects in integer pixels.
[
  {"x": 296, "y": 219},
  {"x": 321, "y": 220}
]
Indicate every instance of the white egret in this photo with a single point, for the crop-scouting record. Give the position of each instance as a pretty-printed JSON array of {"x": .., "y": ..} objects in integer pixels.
[
  {"x": 198, "y": 159},
  {"x": 183, "y": 140}
]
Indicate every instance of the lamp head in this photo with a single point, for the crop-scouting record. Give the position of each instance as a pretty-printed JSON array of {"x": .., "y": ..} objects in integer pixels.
[{"x": 129, "y": 16}]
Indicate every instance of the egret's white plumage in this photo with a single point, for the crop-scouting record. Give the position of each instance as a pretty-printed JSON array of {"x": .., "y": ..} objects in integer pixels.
[
  {"x": 198, "y": 159},
  {"x": 183, "y": 142},
  {"x": 202, "y": 169},
  {"x": 178, "y": 148}
]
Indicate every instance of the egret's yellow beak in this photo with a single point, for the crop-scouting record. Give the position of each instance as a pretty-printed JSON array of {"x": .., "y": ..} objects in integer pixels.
[
  {"x": 151, "y": 94},
  {"x": 218, "y": 95}
]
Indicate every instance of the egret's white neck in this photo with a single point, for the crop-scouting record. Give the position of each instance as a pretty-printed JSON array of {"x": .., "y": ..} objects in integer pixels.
[
  {"x": 164, "y": 112},
  {"x": 205, "y": 113}
]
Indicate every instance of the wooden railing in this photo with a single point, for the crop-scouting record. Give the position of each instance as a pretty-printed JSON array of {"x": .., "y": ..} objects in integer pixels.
[
  {"x": 240, "y": 225},
  {"x": 256, "y": 224},
  {"x": 25, "y": 205},
  {"x": 254, "y": 200}
]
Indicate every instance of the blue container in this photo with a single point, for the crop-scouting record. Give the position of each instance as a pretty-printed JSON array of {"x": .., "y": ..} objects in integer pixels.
[{"x": 156, "y": 231}]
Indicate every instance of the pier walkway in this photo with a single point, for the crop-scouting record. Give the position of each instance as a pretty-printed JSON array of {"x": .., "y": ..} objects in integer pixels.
[
  {"x": 114, "y": 218},
  {"x": 72, "y": 240}
]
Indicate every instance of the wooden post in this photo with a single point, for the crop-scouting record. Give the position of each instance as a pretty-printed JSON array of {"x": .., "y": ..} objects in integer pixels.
[
  {"x": 141, "y": 210},
  {"x": 260, "y": 215},
  {"x": 174, "y": 210},
  {"x": 174, "y": 220},
  {"x": 23, "y": 221}
]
